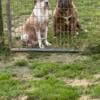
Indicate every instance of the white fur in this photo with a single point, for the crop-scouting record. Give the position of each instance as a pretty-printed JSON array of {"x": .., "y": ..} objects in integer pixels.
[
  {"x": 39, "y": 12},
  {"x": 38, "y": 34},
  {"x": 45, "y": 40},
  {"x": 24, "y": 37},
  {"x": 42, "y": 16}
]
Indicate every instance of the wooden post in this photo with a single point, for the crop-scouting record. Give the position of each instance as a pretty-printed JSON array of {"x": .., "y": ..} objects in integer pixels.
[{"x": 1, "y": 25}]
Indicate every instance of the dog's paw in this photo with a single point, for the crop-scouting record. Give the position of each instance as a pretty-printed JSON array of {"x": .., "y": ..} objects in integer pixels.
[
  {"x": 48, "y": 43},
  {"x": 41, "y": 46},
  {"x": 77, "y": 33},
  {"x": 24, "y": 37},
  {"x": 85, "y": 30}
]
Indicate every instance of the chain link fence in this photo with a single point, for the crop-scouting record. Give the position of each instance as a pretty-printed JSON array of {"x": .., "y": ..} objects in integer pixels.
[{"x": 18, "y": 11}]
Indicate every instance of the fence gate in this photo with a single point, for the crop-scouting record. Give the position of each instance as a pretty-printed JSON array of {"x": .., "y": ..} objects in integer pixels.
[{"x": 18, "y": 11}]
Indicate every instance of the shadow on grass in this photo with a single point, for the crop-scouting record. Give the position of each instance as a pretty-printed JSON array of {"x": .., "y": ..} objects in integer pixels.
[
  {"x": 92, "y": 49},
  {"x": 34, "y": 55},
  {"x": 4, "y": 53}
]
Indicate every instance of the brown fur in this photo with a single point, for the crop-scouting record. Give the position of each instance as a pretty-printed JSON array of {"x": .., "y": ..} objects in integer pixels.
[
  {"x": 30, "y": 28},
  {"x": 61, "y": 25}
]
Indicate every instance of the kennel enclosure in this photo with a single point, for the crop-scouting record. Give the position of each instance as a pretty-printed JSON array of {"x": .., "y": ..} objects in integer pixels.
[{"x": 17, "y": 13}]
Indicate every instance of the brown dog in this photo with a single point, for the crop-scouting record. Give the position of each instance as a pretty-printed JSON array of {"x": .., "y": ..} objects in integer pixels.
[
  {"x": 65, "y": 18},
  {"x": 35, "y": 28}
]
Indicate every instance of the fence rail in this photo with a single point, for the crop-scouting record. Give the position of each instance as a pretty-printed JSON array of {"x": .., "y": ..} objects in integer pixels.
[{"x": 1, "y": 25}]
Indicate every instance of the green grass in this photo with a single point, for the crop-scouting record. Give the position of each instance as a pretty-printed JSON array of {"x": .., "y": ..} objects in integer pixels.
[
  {"x": 21, "y": 63},
  {"x": 8, "y": 86},
  {"x": 95, "y": 91},
  {"x": 85, "y": 69},
  {"x": 46, "y": 80},
  {"x": 52, "y": 89}
]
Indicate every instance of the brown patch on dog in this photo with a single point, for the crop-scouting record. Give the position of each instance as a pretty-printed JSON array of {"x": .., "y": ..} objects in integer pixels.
[{"x": 30, "y": 28}]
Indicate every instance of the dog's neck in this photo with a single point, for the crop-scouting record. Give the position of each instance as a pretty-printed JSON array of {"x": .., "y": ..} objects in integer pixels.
[
  {"x": 40, "y": 13},
  {"x": 38, "y": 10}
]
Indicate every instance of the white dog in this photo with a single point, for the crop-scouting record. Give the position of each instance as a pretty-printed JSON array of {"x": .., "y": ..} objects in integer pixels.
[{"x": 35, "y": 28}]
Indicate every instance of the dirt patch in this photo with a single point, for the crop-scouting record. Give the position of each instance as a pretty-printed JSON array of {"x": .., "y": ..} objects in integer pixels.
[
  {"x": 19, "y": 56},
  {"x": 84, "y": 97},
  {"x": 77, "y": 82},
  {"x": 22, "y": 73},
  {"x": 21, "y": 97},
  {"x": 3, "y": 65},
  {"x": 66, "y": 58},
  {"x": 61, "y": 58},
  {"x": 87, "y": 97}
]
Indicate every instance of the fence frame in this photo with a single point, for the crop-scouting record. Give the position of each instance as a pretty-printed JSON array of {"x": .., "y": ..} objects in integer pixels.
[
  {"x": 9, "y": 25},
  {"x": 1, "y": 26}
]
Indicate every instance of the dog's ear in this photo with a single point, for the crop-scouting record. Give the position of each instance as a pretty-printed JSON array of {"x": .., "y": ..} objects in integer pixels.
[{"x": 34, "y": 1}]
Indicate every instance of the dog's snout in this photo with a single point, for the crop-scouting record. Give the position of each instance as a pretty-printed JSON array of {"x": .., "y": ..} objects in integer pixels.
[{"x": 46, "y": 2}]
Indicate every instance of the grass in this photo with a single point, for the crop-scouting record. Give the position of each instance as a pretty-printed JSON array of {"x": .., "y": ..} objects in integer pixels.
[
  {"x": 52, "y": 89},
  {"x": 85, "y": 69},
  {"x": 95, "y": 91},
  {"x": 8, "y": 86},
  {"x": 41, "y": 78},
  {"x": 21, "y": 63},
  {"x": 44, "y": 81}
]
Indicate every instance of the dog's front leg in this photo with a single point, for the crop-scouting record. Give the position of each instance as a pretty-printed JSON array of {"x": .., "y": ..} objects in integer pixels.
[
  {"x": 45, "y": 37},
  {"x": 39, "y": 39}
]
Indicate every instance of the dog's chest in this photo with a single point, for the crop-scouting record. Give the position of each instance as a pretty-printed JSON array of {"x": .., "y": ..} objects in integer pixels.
[{"x": 42, "y": 16}]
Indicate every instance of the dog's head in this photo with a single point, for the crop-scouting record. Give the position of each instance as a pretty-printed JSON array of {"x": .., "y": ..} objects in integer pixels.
[
  {"x": 42, "y": 3},
  {"x": 64, "y": 4}
]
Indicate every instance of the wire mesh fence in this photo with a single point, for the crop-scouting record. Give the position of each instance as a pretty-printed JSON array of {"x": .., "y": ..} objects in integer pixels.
[{"x": 63, "y": 24}]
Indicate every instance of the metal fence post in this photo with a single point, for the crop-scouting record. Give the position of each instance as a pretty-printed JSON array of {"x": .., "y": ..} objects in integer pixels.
[
  {"x": 1, "y": 25},
  {"x": 9, "y": 22}
]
